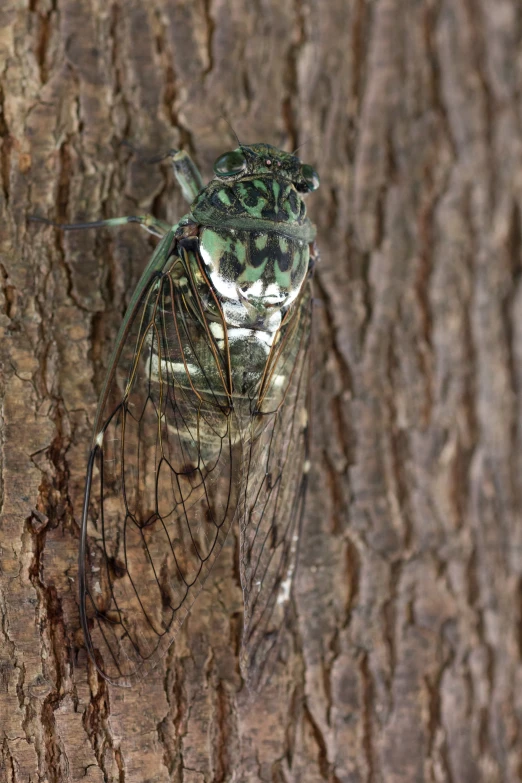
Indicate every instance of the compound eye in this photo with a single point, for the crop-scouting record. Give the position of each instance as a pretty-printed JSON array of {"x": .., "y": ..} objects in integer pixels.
[
  {"x": 230, "y": 163},
  {"x": 310, "y": 176}
]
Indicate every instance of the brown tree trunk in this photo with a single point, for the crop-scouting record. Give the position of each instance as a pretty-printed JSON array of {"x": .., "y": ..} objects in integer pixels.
[{"x": 407, "y": 662}]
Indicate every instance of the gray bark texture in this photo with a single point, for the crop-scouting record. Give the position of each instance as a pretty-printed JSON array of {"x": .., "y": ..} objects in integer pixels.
[{"x": 406, "y": 663}]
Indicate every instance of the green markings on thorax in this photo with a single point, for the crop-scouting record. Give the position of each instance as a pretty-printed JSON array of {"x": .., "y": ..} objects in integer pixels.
[
  {"x": 252, "y": 202},
  {"x": 224, "y": 197},
  {"x": 248, "y": 256}
]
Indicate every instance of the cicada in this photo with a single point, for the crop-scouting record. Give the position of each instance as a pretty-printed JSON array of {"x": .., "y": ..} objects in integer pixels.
[{"x": 202, "y": 422}]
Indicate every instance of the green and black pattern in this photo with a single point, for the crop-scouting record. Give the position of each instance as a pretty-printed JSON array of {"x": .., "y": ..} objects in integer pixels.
[{"x": 202, "y": 421}]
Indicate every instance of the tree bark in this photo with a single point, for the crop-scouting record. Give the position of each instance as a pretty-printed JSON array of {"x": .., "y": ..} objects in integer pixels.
[{"x": 406, "y": 663}]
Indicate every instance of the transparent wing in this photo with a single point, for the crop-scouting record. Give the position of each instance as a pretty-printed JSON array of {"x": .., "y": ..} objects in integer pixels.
[
  {"x": 164, "y": 475},
  {"x": 273, "y": 492}
]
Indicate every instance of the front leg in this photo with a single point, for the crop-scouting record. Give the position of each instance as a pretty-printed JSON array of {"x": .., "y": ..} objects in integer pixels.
[
  {"x": 185, "y": 171},
  {"x": 189, "y": 178},
  {"x": 187, "y": 174},
  {"x": 152, "y": 225}
]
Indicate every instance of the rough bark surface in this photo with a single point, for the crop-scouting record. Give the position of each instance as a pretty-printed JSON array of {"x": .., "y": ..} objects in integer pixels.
[{"x": 407, "y": 663}]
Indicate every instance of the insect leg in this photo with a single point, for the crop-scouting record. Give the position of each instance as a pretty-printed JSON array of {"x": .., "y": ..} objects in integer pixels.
[
  {"x": 187, "y": 174},
  {"x": 185, "y": 171},
  {"x": 151, "y": 224}
]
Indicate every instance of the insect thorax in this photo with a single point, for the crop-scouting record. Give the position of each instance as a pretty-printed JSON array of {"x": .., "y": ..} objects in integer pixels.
[
  {"x": 254, "y": 243},
  {"x": 246, "y": 248}
]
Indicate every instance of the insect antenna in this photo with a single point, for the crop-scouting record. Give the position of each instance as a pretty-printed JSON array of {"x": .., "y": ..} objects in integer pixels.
[
  {"x": 310, "y": 138},
  {"x": 232, "y": 129}
]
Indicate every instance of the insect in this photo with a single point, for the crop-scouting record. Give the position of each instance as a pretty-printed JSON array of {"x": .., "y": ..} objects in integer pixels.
[{"x": 202, "y": 421}]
